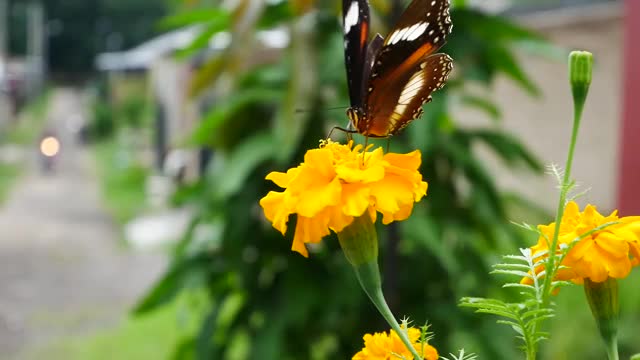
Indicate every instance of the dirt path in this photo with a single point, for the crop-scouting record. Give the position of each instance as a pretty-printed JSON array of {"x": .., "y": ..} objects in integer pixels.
[{"x": 61, "y": 270}]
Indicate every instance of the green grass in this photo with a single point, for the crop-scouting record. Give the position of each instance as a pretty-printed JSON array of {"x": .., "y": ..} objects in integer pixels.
[
  {"x": 31, "y": 121},
  {"x": 122, "y": 180},
  {"x": 8, "y": 175},
  {"x": 152, "y": 336}
]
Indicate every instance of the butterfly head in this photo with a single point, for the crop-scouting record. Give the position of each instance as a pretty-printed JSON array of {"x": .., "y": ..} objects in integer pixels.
[{"x": 355, "y": 115}]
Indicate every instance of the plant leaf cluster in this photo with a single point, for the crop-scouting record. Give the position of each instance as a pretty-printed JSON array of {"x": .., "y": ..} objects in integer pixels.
[{"x": 268, "y": 303}]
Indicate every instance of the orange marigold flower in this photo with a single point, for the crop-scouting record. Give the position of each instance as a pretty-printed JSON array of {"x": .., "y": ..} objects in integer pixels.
[
  {"x": 336, "y": 183},
  {"x": 608, "y": 252},
  {"x": 383, "y": 346}
]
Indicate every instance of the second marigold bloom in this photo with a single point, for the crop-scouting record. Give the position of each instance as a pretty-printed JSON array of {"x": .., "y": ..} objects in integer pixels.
[
  {"x": 608, "y": 252},
  {"x": 383, "y": 346},
  {"x": 337, "y": 183}
]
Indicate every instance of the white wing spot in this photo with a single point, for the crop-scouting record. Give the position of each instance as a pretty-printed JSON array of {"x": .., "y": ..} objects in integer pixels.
[
  {"x": 417, "y": 32},
  {"x": 400, "y": 108},
  {"x": 433, "y": 3},
  {"x": 409, "y": 33},
  {"x": 351, "y": 19},
  {"x": 412, "y": 87}
]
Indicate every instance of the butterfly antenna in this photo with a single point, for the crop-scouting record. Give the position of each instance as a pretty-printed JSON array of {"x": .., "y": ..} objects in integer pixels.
[{"x": 300, "y": 111}]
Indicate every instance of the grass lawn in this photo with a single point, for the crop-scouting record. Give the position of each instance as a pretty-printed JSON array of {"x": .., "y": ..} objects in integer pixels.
[
  {"x": 8, "y": 175},
  {"x": 122, "y": 180},
  {"x": 152, "y": 336},
  {"x": 31, "y": 121}
]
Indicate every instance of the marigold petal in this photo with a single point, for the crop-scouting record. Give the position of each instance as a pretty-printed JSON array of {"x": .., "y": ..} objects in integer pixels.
[
  {"x": 322, "y": 161},
  {"x": 338, "y": 220},
  {"x": 612, "y": 244},
  {"x": 275, "y": 210},
  {"x": 355, "y": 199},
  {"x": 309, "y": 230},
  {"x": 283, "y": 179},
  {"x": 410, "y": 161},
  {"x": 318, "y": 196},
  {"x": 391, "y": 193}
]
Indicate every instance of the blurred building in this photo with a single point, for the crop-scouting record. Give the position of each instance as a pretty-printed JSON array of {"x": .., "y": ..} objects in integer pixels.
[
  {"x": 544, "y": 124},
  {"x": 169, "y": 79}
]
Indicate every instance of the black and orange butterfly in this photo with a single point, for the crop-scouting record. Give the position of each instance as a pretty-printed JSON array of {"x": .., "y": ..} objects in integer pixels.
[{"x": 390, "y": 79}]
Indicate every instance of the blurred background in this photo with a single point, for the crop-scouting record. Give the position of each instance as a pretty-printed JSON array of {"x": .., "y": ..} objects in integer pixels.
[{"x": 135, "y": 136}]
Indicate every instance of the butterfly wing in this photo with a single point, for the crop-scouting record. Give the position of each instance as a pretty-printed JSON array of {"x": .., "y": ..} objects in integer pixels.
[
  {"x": 422, "y": 30},
  {"x": 393, "y": 107},
  {"x": 356, "y": 31},
  {"x": 405, "y": 72}
]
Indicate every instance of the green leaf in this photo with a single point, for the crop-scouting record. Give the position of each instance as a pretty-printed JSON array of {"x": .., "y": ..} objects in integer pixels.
[
  {"x": 493, "y": 28},
  {"x": 206, "y": 131},
  {"x": 195, "y": 17},
  {"x": 242, "y": 161},
  {"x": 180, "y": 275},
  {"x": 509, "y": 148},
  {"x": 483, "y": 104},
  {"x": 202, "y": 40},
  {"x": 504, "y": 61}
]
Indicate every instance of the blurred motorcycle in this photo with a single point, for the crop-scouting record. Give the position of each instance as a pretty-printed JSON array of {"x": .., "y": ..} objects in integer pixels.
[{"x": 49, "y": 150}]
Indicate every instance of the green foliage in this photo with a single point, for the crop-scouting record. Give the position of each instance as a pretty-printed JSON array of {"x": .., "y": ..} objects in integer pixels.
[
  {"x": 91, "y": 26},
  {"x": 269, "y": 303},
  {"x": 102, "y": 123},
  {"x": 8, "y": 175},
  {"x": 523, "y": 317},
  {"x": 133, "y": 111},
  {"x": 122, "y": 179},
  {"x": 31, "y": 121}
]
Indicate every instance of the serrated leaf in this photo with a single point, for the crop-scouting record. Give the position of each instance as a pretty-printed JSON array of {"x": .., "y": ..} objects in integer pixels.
[{"x": 512, "y": 272}]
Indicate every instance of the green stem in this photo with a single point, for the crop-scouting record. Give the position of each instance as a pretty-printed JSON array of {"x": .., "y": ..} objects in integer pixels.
[
  {"x": 368, "y": 275},
  {"x": 564, "y": 188},
  {"x": 580, "y": 75},
  {"x": 359, "y": 242},
  {"x": 612, "y": 349}
]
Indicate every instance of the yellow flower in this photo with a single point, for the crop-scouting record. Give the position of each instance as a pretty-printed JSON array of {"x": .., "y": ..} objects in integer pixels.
[
  {"x": 336, "y": 183},
  {"x": 609, "y": 252},
  {"x": 381, "y": 346}
]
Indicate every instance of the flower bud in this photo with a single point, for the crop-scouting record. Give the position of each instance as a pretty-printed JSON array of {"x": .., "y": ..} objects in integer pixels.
[
  {"x": 359, "y": 241},
  {"x": 580, "y": 75},
  {"x": 603, "y": 301}
]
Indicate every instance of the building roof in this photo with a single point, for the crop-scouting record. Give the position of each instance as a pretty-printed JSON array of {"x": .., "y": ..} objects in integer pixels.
[{"x": 142, "y": 56}]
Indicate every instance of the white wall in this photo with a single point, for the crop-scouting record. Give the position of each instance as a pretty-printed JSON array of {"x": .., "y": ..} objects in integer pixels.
[{"x": 544, "y": 124}]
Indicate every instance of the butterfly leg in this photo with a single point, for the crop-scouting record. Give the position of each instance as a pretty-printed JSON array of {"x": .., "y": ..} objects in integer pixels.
[{"x": 347, "y": 131}]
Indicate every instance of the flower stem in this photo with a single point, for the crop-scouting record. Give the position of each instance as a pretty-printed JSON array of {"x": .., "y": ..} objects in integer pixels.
[
  {"x": 580, "y": 73},
  {"x": 612, "y": 350},
  {"x": 359, "y": 242},
  {"x": 369, "y": 277}
]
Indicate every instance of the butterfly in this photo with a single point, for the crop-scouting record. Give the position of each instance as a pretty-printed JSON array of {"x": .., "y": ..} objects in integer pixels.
[{"x": 391, "y": 79}]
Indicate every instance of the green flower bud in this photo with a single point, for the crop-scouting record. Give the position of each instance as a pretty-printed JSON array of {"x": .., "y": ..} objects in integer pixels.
[
  {"x": 603, "y": 301},
  {"x": 580, "y": 75},
  {"x": 359, "y": 241}
]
